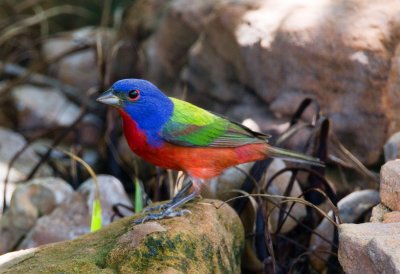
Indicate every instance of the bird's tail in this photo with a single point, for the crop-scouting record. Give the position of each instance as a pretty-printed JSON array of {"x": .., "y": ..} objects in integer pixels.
[{"x": 293, "y": 156}]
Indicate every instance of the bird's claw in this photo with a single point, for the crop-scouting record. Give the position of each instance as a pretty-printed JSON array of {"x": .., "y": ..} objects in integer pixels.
[
  {"x": 168, "y": 213},
  {"x": 156, "y": 207}
]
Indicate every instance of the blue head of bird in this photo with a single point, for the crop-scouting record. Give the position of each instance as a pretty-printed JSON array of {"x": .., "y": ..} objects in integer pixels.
[{"x": 147, "y": 105}]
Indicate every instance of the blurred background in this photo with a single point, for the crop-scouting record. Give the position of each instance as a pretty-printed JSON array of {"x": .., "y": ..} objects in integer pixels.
[{"x": 322, "y": 77}]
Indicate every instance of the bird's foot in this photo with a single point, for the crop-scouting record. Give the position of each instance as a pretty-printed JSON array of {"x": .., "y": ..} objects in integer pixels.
[
  {"x": 168, "y": 213},
  {"x": 157, "y": 207},
  {"x": 173, "y": 203}
]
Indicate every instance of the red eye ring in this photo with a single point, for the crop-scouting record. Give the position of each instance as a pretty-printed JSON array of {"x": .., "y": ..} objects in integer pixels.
[{"x": 133, "y": 95}]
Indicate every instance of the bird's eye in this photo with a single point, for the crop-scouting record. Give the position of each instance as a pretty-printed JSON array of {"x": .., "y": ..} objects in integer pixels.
[{"x": 133, "y": 95}]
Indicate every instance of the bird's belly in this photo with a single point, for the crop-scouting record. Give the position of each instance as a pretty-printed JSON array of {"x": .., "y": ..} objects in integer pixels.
[{"x": 204, "y": 163}]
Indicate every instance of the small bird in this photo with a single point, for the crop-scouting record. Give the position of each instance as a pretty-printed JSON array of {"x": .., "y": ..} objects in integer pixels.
[{"x": 175, "y": 134}]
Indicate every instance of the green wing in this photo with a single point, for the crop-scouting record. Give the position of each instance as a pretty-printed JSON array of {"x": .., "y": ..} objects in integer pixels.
[{"x": 196, "y": 127}]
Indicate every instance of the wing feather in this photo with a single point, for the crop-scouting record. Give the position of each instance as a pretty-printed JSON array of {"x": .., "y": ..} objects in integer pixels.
[{"x": 195, "y": 127}]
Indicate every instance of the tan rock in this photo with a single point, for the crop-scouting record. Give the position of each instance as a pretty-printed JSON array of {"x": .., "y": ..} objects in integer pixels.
[
  {"x": 273, "y": 51},
  {"x": 390, "y": 184},
  {"x": 178, "y": 245},
  {"x": 378, "y": 212},
  {"x": 369, "y": 248},
  {"x": 66, "y": 222},
  {"x": 392, "y": 217},
  {"x": 166, "y": 51}
]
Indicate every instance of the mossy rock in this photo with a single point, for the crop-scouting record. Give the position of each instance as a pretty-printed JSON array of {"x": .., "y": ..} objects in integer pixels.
[{"x": 210, "y": 240}]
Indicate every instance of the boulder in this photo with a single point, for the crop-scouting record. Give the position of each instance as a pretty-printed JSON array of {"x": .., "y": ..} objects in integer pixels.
[
  {"x": 29, "y": 202},
  {"x": 67, "y": 221},
  {"x": 249, "y": 55},
  {"x": 78, "y": 69},
  {"x": 166, "y": 51},
  {"x": 72, "y": 218},
  {"x": 40, "y": 107},
  {"x": 369, "y": 248},
  {"x": 10, "y": 144},
  {"x": 179, "y": 245},
  {"x": 390, "y": 184}
]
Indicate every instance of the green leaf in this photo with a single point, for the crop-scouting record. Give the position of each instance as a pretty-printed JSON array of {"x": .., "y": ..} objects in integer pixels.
[
  {"x": 96, "y": 216},
  {"x": 138, "y": 196}
]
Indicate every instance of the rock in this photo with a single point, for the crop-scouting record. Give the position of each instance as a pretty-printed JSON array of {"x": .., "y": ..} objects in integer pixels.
[
  {"x": 30, "y": 201},
  {"x": 266, "y": 50},
  {"x": 72, "y": 218},
  {"x": 178, "y": 245},
  {"x": 40, "y": 108},
  {"x": 378, "y": 212},
  {"x": 44, "y": 194},
  {"x": 66, "y": 222},
  {"x": 369, "y": 248},
  {"x": 10, "y": 144},
  {"x": 166, "y": 51},
  {"x": 278, "y": 187},
  {"x": 390, "y": 184},
  {"x": 351, "y": 208},
  {"x": 143, "y": 17},
  {"x": 392, "y": 217},
  {"x": 43, "y": 107},
  {"x": 111, "y": 192},
  {"x": 393, "y": 90},
  {"x": 80, "y": 68},
  {"x": 391, "y": 148}
]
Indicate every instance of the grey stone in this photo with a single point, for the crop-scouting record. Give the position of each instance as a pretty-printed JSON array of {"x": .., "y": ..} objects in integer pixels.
[
  {"x": 29, "y": 202},
  {"x": 10, "y": 144},
  {"x": 390, "y": 184},
  {"x": 350, "y": 209},
  {"x": 369, "y": 248},
  {"x": 111, "y": 192}
]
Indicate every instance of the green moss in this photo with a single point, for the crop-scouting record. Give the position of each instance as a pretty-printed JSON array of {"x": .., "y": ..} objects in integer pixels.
[
  {"x": 181, "y": 246},
  {"x": 238, "y": 242},
  {"x": 176, "y": 252}
]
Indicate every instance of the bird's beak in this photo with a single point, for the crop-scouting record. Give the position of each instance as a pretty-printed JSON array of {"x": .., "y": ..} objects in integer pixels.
[{"x": 109, "y": 98}]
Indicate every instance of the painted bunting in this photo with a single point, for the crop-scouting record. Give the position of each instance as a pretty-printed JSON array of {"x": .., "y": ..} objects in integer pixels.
[{"x": 177, "y": 135}]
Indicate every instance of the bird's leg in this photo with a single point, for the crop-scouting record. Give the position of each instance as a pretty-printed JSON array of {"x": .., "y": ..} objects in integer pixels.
[
  {"x": 174, "y": 200},
  {"x": 171, "y": 211}
]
